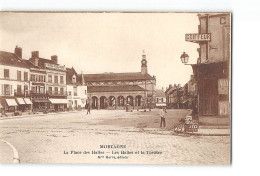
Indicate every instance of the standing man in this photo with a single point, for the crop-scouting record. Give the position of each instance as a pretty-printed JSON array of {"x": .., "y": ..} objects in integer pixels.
[
  {"x": 88, "y": 107},
  {"x": 162, "y": 115}
]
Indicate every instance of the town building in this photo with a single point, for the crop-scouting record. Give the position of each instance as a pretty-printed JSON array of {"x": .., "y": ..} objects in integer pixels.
[
  {"x": 116, "y": 90},
  {"x": 160, "y": 98},
  {"x": 14, "y": 82},
  {"x": 174, "y": 96},
  {"x": 212, "y": 71},
  {"x": 190, "y": 93},
  {"x": 48, "y": 80},
  {"x": 76, "y": 90}
]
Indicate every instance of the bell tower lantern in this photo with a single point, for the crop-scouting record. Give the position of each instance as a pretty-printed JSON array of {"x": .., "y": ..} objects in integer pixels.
[{"x": 144, "y": 64}]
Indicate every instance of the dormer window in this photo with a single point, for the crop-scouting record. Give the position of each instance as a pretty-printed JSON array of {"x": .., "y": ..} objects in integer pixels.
[{"x": 74, "y": 79}]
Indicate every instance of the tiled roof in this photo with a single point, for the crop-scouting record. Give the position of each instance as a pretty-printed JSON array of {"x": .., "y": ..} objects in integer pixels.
[
  {"x": 123, "y": 88},
  {"x": 160, "y": 93},
  {"x": 117, "y": 77},
  {"x": 69, "y": 73},
  {"x": 11, "y": 59}
]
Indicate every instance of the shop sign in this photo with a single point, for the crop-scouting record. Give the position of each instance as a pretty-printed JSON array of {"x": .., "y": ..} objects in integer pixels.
[
  {"x": 190, "y": 125},
  {"x": 197, "y": 37},
  {"x": 223, "y": 87}
]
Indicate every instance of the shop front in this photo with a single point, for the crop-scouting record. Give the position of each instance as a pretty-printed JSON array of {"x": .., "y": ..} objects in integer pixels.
[
  {"x": 40, "y": 104},
  {"x": 58, "y": 104},
  {"x": 213, "y": 88}
]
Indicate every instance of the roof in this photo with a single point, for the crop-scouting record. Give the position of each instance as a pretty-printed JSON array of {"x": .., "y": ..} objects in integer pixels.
[
  {"x": 69, "y": 73},
  {"x": 123, "y": 88},
  {"x": 11, "y": 59},
  {"x": 117, "y": 77},
  {"x": 160, "y": 93}
]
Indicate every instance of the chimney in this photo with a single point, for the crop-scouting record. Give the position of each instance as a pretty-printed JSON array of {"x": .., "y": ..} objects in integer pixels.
[
  {"x": 174, "y": 86},
  {"x": 35, "y": 54},
  {"x": 162, "y": 88},
  {"x": 35, "y": 57},
  {"x": 179, "y": 85},
  {"x": 170, "y": 86},
  {"x": 54, "y": 58},
  {"x": 18, "y": 51}
]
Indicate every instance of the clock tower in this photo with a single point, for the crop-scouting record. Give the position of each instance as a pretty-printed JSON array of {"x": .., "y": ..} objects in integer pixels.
[{"x": 144, "y": 64}]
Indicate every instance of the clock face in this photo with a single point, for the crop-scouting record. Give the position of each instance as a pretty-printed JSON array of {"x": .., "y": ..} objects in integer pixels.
[{"x": 143, "y": 61}]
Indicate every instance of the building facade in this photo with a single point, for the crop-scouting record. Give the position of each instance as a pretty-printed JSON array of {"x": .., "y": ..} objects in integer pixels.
[
  {"x": 14, "y": 82},
  {"x": 212, "y": 70},
  {"x": 76, "y": 90},
  {"x": 118, "y": 90},
  {"x": 160, "y": 98},
  {"x": 48, "y": 80}
]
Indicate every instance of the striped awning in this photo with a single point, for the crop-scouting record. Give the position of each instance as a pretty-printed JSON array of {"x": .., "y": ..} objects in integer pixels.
[
  {"x": 27, "y": 101},
  {"x": 20, "y": 101},
  {"x": 11, "y": 102}
]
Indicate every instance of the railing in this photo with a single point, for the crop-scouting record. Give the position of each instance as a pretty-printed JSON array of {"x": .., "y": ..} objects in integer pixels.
[
  {"x": 58, "y": 93},
  {"x": 22, "y": 94}
]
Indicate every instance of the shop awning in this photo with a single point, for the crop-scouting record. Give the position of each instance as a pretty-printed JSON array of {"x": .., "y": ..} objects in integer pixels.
[
  {"x": 11, "y": 102},
  {"x": 20, "y": 101},
  {"x": 27, "y": 101},
  {"x": 41, "y": 101},
  {"x": 58, "y": 101},
  {"x": 160, "y": 104}
]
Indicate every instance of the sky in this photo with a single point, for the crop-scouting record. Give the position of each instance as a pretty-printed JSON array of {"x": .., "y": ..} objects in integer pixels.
[{"x": 106, "y": 42}]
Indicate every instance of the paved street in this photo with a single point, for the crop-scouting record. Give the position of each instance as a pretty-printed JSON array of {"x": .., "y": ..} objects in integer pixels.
[{"x": 45, "y": 139}]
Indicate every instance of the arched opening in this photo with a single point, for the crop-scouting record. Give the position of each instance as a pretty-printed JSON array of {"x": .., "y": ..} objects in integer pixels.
[
  {"x": 112, "y": 101},
  {"x": 129, "y": 100},
  {"x": 94, "y": 102},
  {"x": 121, "y": 101},
  {"x": 103, "y": 102},
  {"x": 138, "y": 100}
]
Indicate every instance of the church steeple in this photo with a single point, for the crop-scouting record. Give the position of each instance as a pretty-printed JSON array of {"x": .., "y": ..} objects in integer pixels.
[{"x": 144, "y": 64}]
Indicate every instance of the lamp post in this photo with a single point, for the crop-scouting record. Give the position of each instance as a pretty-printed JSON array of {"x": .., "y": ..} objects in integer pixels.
[{"x": 185, "y": 58}]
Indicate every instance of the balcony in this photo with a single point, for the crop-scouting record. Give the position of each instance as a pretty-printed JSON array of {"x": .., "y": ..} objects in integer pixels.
[
  {"x": 22, "y": 94},
  {"x": 57, "y": 93}
]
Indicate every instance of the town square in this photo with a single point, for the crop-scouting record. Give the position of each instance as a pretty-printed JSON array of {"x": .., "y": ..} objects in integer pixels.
[{"x": 115, "y": 88}]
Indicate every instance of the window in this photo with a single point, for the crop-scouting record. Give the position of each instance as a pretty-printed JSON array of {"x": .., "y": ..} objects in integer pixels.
[
  {"x": 7, "y": 89},
  {"x": 56, "y": 90},
  {"x": 55, "y": 79},
  {"x": 6, "y": 73},
  {"x": 19, "y": 89},
  {"x": 19, "y": 75},
  {"x": 69, "y": 93},
  {"x": 33, "y": 78},
  {"x": 34, "y": 89},
  {"x": 41, "y": 78},
  {"x": 61, "y": 91},
  {"x": 50, "y": 78},
  {"x": 50, "y": 90},
  {"x": 26, "y": 89},
  {"x": 61, "y": 80},
  {"x": 75, "y": 91},
  {"x": 42, "y": 90},
  {"x": 25, "y": 76}
]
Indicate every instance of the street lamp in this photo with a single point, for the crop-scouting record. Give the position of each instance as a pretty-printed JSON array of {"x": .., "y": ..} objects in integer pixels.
[{"x": 184, "y": 58}]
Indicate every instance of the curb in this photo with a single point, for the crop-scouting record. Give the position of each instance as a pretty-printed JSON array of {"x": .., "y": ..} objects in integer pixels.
[
  {"x": 199, "y": 134},
  {"x": 16, "y": 159},
  {"x": 37, "y": 115}
]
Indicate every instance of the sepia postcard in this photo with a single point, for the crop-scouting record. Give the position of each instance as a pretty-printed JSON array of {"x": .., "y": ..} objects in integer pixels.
[{"x": 115, "y": 88}]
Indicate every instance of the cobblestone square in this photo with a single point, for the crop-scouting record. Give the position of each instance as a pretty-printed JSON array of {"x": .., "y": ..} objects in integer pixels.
[{"x": 46, "y": 139}]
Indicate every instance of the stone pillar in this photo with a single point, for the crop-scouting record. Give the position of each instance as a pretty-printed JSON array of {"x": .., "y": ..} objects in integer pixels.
[{"x": 98, "y": 103}]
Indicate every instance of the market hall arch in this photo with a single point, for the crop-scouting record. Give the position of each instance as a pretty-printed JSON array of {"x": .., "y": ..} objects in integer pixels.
[
  {"x": 130, "y": 100},
  {"x": 94, "y": 102},
  {"x": 138, "y": 100},
  {"x": 120, "y": 101},
  {"x": 112, "y": 101},
  {"x": 103, "y": 102}
]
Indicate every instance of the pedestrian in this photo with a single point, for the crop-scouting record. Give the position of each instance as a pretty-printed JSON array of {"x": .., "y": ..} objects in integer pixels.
[
  {"x": 162, "y": 115},
  {"x": 88, "y": 109}
]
